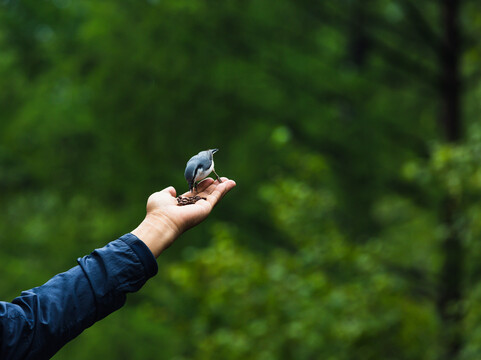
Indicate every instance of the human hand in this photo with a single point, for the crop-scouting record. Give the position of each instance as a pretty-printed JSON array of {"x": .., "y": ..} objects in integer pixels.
[{"x": 165, "y": 220}]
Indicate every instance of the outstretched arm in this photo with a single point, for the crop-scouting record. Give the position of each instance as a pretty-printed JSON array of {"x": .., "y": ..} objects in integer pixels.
[{"x": 40, "y": 321}]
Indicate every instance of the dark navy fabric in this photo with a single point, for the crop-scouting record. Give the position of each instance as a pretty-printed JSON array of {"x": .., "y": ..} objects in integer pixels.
[{"x": 40, "y": 321}]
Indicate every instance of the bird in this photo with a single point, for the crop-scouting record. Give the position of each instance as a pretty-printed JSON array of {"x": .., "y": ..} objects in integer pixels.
[{"x": 199, "y": 167}]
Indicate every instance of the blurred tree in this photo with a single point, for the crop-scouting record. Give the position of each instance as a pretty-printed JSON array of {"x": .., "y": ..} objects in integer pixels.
[{"x": 353, "y": 231}]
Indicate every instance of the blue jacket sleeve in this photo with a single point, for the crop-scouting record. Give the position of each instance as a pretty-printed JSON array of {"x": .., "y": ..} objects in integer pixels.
[{"x": 40, "y": 321}]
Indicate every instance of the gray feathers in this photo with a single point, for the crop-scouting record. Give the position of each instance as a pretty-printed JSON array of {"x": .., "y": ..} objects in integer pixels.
[
  {"x": 190, "y": 171},
  {"x": 199, "y": 167}
]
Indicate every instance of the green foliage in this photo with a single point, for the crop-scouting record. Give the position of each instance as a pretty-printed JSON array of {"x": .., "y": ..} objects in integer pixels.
[{"x": 326, "y": 115}]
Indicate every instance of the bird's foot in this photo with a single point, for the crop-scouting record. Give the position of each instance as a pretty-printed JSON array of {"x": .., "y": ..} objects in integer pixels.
[{"x": 218, "y": 177}]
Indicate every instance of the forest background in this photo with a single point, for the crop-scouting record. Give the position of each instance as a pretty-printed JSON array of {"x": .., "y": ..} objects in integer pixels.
[{"x": 352, "y": 129}]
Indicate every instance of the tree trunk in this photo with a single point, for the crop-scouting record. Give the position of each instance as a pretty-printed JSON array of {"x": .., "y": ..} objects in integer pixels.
[
  {"x": 450, "y": 286},
  {"x": 358, "y": 40},
  {"x": 451, "y": 87}
]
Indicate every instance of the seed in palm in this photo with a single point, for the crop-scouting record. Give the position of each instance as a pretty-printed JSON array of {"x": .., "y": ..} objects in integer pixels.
[{"x": 188, "y": 200}]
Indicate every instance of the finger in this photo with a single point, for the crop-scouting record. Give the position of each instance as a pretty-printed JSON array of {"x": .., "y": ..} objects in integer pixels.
[
  {"x": 204, "y": 184},
  {"x": 209, "y": 190},
  {"x": 201, "y": 187},
  {"x": 226, "y": 180},
  {"x": 229, "y": 185},
  {"x": 216, "y": 193},
  {"x": 204, "y": 188},
  {"x": 221, "y": 180}
]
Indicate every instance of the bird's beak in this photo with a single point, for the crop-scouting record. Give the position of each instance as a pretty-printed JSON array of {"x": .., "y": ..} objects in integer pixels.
[{"x": 214, "y": 151}]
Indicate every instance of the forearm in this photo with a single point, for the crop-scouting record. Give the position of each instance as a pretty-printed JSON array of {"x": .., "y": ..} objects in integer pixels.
[{"x": 40, "y": 321}]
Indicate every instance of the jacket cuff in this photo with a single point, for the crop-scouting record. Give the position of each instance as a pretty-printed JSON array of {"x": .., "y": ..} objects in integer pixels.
[{"x": 143, "y": 253}]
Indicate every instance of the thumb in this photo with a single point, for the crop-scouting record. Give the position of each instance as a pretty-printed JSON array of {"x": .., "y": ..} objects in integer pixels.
[{"x": 170, "y": 190}]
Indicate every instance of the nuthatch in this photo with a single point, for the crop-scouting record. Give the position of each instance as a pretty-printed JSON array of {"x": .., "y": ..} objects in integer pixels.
[{"x": 199, "y": 167}]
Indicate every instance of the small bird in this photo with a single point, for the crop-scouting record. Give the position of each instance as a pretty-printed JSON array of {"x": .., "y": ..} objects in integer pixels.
[{"x": 199, "y": 167}]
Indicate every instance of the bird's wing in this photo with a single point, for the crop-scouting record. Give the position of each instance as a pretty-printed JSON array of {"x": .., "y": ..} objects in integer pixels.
[
  {"x": 189, "y": 173},
  {"x": 204, "y": 160}
]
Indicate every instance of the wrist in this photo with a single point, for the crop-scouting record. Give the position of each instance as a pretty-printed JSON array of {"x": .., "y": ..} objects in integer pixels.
[{"x": 156, "y": 234}]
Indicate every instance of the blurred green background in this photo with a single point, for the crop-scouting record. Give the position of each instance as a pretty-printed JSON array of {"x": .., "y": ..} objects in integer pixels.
[{"x": 352, "y": 128}]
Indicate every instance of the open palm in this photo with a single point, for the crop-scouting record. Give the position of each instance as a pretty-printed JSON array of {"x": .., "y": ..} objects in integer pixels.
[{"x": 163, "y": 204}]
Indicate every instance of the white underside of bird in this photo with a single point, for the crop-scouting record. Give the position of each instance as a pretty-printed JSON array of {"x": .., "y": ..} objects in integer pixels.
[{"x": 203, "y": 173}]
